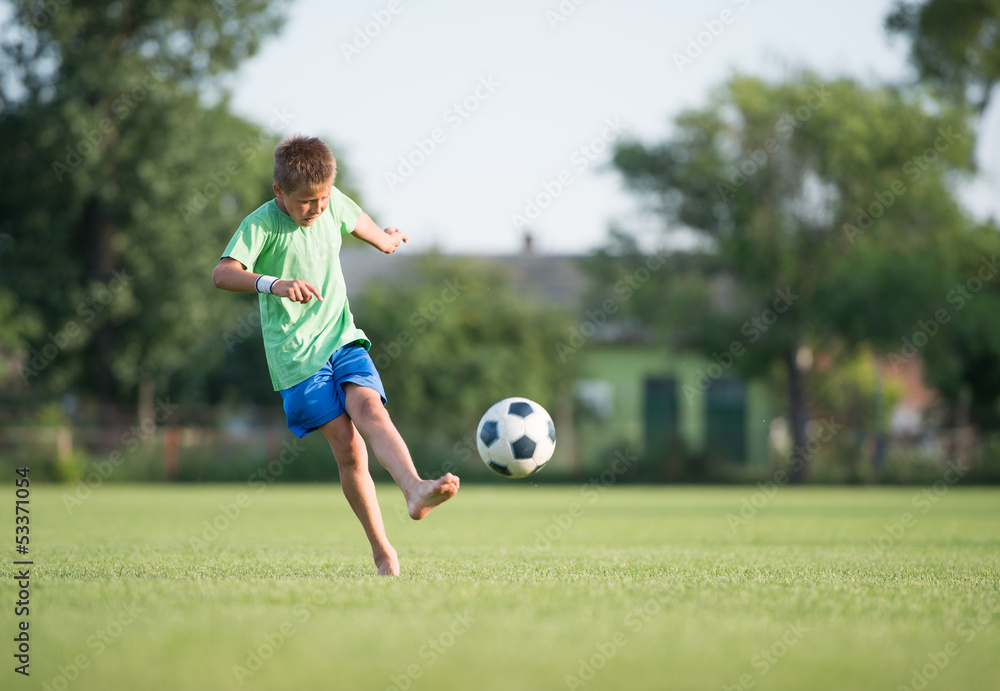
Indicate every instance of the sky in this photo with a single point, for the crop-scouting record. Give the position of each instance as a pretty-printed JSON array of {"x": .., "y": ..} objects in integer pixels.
[{"x": 467, "y": 124}]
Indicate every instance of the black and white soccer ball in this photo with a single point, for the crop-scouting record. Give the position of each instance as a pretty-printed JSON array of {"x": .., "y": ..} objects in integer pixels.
[{"x": 516, "y": 437}]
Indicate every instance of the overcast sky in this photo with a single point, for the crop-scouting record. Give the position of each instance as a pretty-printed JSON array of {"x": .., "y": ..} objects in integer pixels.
[{"x": 453, "y": 117}]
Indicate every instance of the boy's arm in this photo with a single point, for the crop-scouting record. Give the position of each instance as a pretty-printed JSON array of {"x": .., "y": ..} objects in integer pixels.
[
  {"x": 231, "y": 275},
  {"x": 384, "y": 240}
]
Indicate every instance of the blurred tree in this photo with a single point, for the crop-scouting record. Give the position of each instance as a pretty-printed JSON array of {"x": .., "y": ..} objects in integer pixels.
[
  {"x": 816, "y": 211},
  {"x": 17, "y": 332},
  {"x": 457, "y": 341},
  {"x": 962, "y": 355},
  {"x": 955, "y": 44},
  {"x": 124, "y": 176}
]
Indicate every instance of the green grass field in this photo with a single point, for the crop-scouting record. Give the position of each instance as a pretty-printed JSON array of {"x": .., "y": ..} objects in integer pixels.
[{"x": 511, "y": 587}]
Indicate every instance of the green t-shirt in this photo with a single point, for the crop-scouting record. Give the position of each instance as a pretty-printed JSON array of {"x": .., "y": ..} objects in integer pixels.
[{"x": 299, "y": 338}]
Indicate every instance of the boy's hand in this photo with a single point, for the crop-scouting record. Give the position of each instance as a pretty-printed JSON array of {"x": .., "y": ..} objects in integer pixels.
[
  {"x": 296, "y": 290},
  {"x": 393, "y": 237},
  {"x": 383, "y": 240}
]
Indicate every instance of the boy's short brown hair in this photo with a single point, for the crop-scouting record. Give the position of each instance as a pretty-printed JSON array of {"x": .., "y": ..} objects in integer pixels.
[{"x": 302, "y": 162}]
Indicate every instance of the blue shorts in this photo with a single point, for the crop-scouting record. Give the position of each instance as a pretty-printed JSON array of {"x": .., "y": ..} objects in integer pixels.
[{"x": 320, "y": 398}]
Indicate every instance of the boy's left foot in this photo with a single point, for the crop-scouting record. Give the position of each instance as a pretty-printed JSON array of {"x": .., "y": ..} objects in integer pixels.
[{"x": 430, "y": 493}]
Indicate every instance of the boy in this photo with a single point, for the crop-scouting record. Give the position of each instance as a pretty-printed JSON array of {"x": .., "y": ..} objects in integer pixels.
[{"x": 317, "y": 357}]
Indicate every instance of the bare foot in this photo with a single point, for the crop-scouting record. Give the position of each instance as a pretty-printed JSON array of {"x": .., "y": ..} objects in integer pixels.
[
  {"x": 430, "y": 493},
  {"x": 387, "y": 563}
]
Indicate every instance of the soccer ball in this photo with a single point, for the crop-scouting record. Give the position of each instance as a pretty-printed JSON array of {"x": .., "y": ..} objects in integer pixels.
[{"x": 516, "y": 437}]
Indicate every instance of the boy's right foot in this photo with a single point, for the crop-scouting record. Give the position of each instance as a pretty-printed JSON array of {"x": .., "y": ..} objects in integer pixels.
[
  {"x": 387, "y": 563},
  {"x": 430, "y": 493}
]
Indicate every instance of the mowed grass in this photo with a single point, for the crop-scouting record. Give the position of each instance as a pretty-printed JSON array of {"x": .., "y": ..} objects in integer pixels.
[{"x": 512, "y": 587}]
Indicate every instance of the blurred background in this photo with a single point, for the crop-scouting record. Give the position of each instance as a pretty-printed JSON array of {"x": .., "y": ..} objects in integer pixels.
[{"x": 737, "y": 241}]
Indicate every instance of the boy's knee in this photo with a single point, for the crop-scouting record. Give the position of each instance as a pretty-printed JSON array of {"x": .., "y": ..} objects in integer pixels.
[
  {"x": 350, "y": 453},
  {"x": 366, "y": 403},
  {"x": 351, "y": 460},
  {"x": 372, "y": 408},
  {"x": 341, "y": 445},
  {"x": 344, "y": 439}
]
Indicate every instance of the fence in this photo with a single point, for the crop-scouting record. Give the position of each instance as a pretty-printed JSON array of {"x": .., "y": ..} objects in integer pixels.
[{"x": 188, "y": 453}]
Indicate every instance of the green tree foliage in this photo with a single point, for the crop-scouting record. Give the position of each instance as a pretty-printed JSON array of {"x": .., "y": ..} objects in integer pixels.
[
  {"x": 124, "y": 175},
  {"x": 955, "y": 44},
  {"x": 821, "y": 211},
  {"x": 456, "y": 341},
  {"x": 955, "y": 47},
  {"x": 962, "y": 333},
  {"x": 15, "y": 336}
]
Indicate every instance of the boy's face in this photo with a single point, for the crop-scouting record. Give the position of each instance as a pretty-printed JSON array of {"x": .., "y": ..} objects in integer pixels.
[{"x": 305, "y": 204}]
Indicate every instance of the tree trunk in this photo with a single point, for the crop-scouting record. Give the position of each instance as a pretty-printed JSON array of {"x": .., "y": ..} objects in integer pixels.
[
  {"x": 877, "y": 454},
  {"x": 100, "y": 261},
  {"x": 147, "y": 399},
  {"x": 567, "y": 435},
  {"x": 798, "y": 416}
]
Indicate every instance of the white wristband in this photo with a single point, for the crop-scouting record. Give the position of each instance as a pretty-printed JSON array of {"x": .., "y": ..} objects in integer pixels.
[{"x": 265, "y": 284}]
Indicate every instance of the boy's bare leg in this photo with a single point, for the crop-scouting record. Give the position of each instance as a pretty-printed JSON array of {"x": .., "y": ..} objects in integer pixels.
[
  {"x": 352, "y": 458},
  {"x": 364, "y": 406}
]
